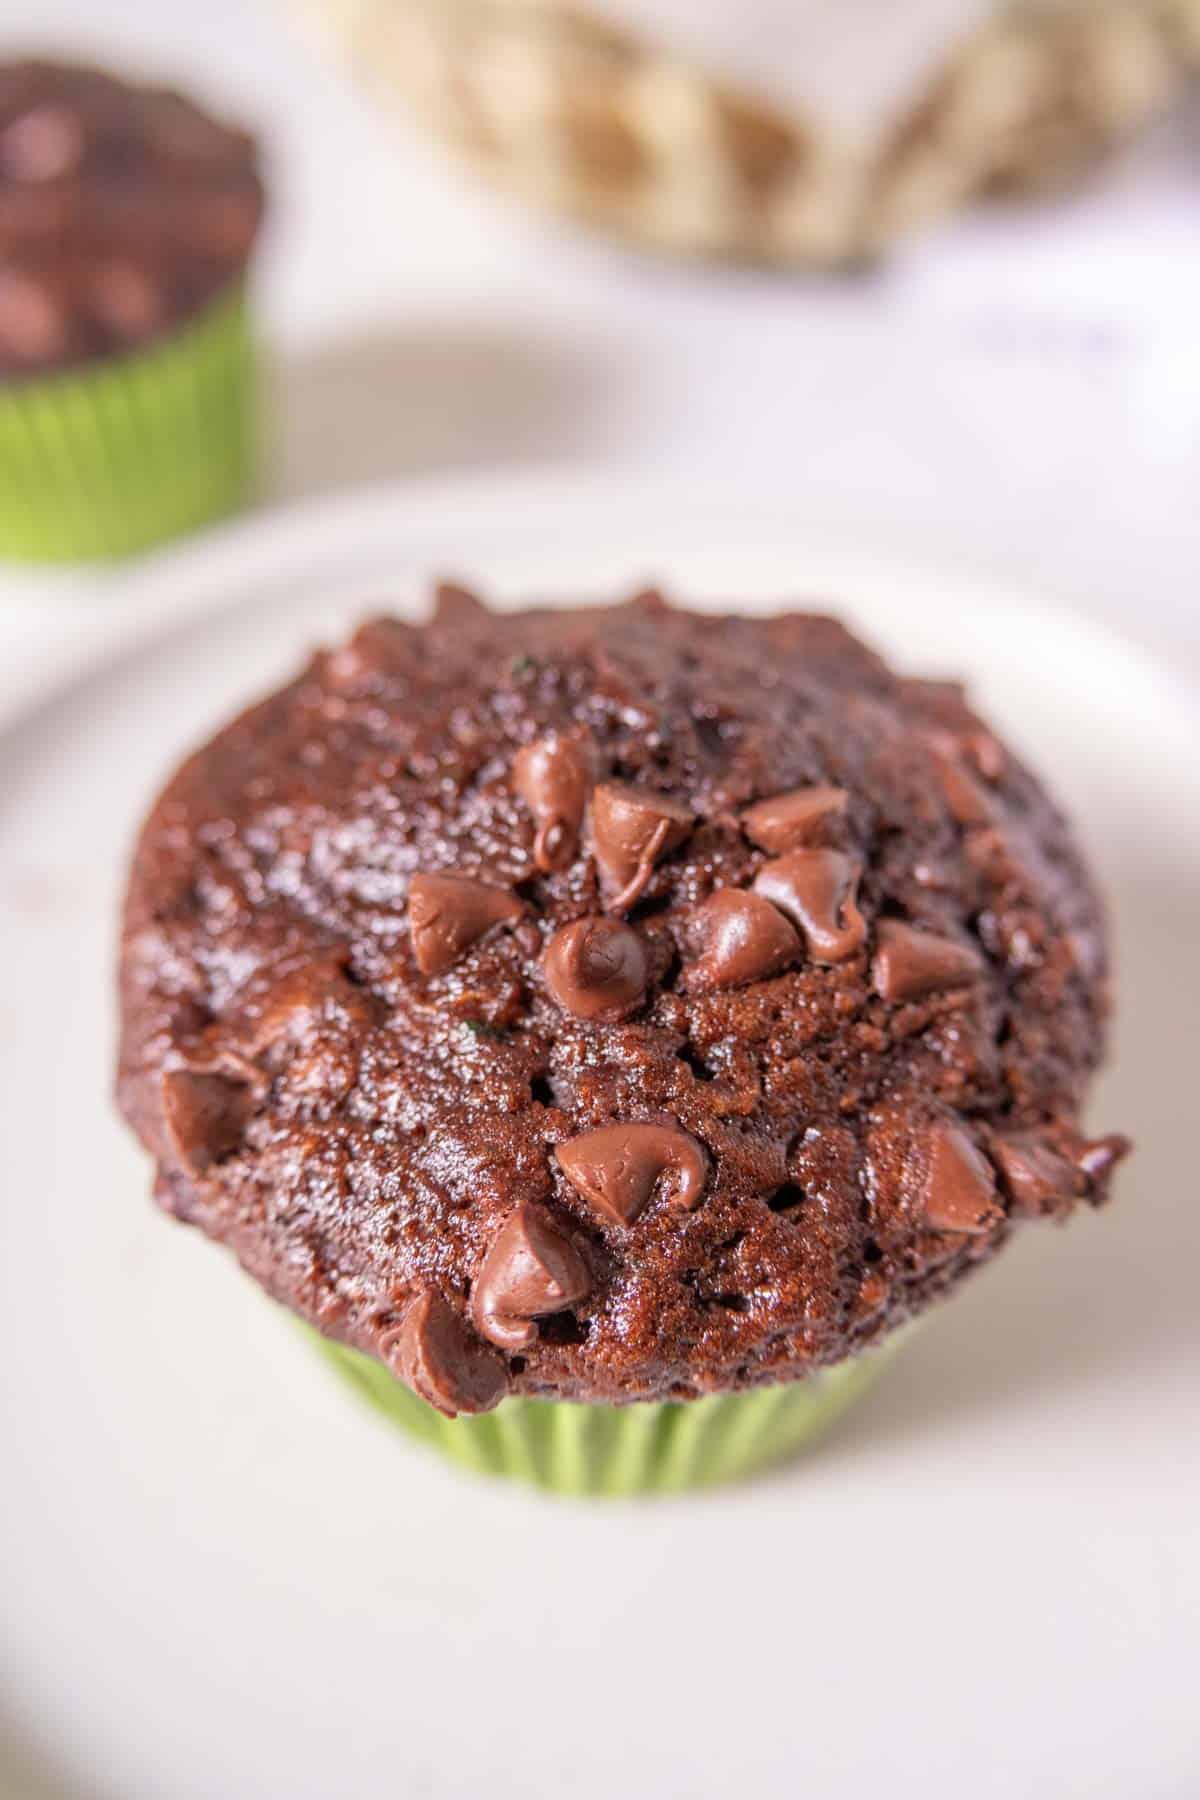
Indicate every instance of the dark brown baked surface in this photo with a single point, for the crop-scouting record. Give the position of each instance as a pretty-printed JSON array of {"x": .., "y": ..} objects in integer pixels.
[
  {"x": 123, "y": 211},
  {"x": 610, "y": 1003}
]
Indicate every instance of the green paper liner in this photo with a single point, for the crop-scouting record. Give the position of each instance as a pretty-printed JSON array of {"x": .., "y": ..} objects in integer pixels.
[
  {"x": 127, "y": 452},
  {"x": 643, "y": 1448}
]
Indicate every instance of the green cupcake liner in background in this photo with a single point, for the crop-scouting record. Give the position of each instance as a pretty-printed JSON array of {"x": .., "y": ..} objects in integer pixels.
[
  {"x": 643, "y": 1448},
  {"x": 111, "y": 458}
]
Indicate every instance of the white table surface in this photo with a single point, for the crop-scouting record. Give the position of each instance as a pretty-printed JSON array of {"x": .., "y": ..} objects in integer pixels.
[{"x": 1021, "y": 392}]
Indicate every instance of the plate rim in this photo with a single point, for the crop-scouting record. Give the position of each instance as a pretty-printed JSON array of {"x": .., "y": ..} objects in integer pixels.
[{"x": 93, "y": 624}]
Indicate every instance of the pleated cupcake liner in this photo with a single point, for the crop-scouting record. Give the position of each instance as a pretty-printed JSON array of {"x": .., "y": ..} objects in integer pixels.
[
  {"x": 645, "y": 1448},
  {"x": 112, "y": 458},
  {"x": 557, "y": 104}
]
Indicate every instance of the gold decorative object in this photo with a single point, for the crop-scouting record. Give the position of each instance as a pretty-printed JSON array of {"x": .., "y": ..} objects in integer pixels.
[{"x": 557, "y": 105}]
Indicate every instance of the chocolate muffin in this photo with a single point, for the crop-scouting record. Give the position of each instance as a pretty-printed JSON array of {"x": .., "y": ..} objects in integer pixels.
[
  {"x": 611, "y": 1005},
  {"x": 127, "y": 219}
]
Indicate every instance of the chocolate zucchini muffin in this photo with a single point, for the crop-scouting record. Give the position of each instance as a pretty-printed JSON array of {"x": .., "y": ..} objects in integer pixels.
[
  {"x": 622, "y": 1007},
  {"x": 127, "y": 220}
]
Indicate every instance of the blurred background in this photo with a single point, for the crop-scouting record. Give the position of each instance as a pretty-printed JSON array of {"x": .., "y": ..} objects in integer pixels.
[{"x": 1016, "y": 385}]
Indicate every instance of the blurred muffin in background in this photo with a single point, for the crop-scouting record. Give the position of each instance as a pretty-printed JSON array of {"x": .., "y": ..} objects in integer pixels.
[
  {"x": 792, "y": 131},
  {"x": 127, "y": 221}
]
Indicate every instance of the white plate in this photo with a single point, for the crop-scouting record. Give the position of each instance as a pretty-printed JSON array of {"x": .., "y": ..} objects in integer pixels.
[{"x": 221, "y": 1581}]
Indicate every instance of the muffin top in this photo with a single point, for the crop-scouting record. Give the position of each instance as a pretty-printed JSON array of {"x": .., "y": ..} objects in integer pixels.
[
  {"x": 123, "y": 210},
  {"x": 610, "y": 1003}
]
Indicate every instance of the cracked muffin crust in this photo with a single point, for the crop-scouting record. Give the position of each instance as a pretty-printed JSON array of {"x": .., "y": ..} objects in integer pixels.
[{"x": 612, "y": 1003}]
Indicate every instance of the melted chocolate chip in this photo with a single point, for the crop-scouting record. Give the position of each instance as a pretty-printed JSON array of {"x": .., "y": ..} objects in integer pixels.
[
  {"x": 991, "y": 852},
  {"x": 1097, "y": 1159},
  {"x": 985, "y": 751},
  {"x": 436, "y": 1354},
  {"x": 959, "y": 1192},
  {"x": 554, "y": 777},
  {"x": 1037, "y": 1178},
  {"x": 631, "y": 829},
  {"x": 617, "y": 1167},
  {"x": 530, "y": 1270},
  {"x": 596, "y": 968},
  {"x": 909, "y": 963},
  {"x": 818, "y": 889},
  {"x": 962, "y": 793},
  {"x": 456, "y": 605},
  {"x": 742, "y": 938},
  {"x": 449, "y": 913},
  {"x": 789, "y": 821},
  {"x": 205, "y": 1114}
]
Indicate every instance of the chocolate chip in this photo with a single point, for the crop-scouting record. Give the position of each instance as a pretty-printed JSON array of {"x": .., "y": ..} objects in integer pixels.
[
  {"x": 617, "y": 1167},
  {"x": 959, "y": 1191},
  {"x": 742, "y": 937},
  {"x": 1097, "y": 1160},
  {"x": 962, "y": 793},
  {"x": 991, "y": 853},
  {"x": 554, "y": 776},
  {"x": 909, "y": 963},
  {"x": 787, "y": 821},
  {"x": 205, "y": 1114},
  {"x": 436, "y": 1354},
  {"x": 818, "y": 889},
  {"x": 596, "y": 968},
  {"x": 377, "y": 647},
  {"x": 632, "y": 828},
  {"x": 455, "y": 605},
  {"x": 449, "y": 913},
  {"x": 985, "y": 751},
  {"x": 43, "y": 144},
  {"x": 529, "y": 1271},
  {"x": 1037, "y": 1178}
]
